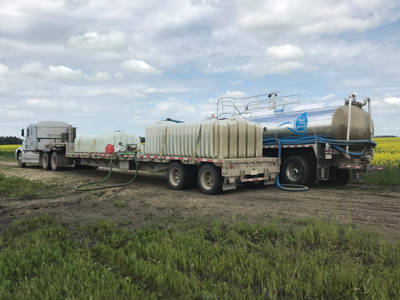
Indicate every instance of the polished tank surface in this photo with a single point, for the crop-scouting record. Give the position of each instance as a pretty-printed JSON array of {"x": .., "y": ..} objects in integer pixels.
[
  {"x": 328, "y": 122},
  {"x": 233, "y": 138}
]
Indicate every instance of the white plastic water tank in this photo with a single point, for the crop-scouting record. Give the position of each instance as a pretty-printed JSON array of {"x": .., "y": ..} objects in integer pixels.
[
  {"x": 98, "y": 143},
  {"x": 234, "y": 138}
]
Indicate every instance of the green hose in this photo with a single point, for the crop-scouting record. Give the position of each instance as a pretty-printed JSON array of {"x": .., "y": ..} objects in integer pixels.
[{"x": 80, "y": 189}]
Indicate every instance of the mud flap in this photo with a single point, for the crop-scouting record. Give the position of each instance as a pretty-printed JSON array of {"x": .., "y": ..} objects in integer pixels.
[{"x": 229, "y": 185}]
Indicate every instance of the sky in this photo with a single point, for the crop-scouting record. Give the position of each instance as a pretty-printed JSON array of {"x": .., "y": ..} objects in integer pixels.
[{"x": 121, "y": 65}]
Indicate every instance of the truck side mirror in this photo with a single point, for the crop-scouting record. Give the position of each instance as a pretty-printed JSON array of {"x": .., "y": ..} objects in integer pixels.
[{"x": 22, "y": 132}]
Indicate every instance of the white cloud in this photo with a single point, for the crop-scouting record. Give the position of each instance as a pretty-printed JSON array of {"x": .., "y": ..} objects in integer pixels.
[
  {"x": 234, "y": 94},
  {"x": 3, "y": 69},
  {"x": 329, "y": 44},
  {"x": 102, "y": 76},
  {"x": 284, "y": 68},
  {"x": 286, "y": 51},
  {"x": 95, "y": 41},
  {"x": 135, "y": 65},
  {"x": 64, "y": 72},
  {"x": 392, "y": 100},
  {"x": 33, "y": 68},
  {"x": 44, "y": 103},
  {"x": 119, "y": 75}
]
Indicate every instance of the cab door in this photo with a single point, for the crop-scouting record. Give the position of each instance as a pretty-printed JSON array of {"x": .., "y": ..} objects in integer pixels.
[{"x": 31, "y": 140}]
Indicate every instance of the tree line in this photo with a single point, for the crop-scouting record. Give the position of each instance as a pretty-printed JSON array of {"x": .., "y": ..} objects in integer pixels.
[{"x": 10, "y": 140}]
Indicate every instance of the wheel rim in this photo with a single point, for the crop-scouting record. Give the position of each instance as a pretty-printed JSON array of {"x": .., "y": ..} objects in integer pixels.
[
  {"x": 175, "y": 176},
  {"x": 294, "y": 172},
  {"x": 207, "y": 179},
  {"x": 19, "y": 160}
]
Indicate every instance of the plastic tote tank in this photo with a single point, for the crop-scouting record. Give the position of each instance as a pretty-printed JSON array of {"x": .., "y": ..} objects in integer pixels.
[
  {"x": 98, "y": 143},
  {"x": 234, "y": 138}
]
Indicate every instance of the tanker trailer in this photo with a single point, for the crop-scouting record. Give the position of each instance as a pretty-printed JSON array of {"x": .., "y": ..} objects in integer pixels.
[{"x": 320, "y": 144}]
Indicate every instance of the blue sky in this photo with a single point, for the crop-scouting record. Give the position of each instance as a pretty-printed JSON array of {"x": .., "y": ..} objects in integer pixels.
[{"x": 120, "y": 65}]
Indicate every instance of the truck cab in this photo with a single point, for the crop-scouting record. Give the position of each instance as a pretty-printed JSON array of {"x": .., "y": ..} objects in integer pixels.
[{"x": 38, "y": 136}]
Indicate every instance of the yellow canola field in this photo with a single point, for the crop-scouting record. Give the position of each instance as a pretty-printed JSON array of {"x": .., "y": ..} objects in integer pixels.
[
  {"x": 8, "y": 148},
  {"x": 387, "y": 151}
]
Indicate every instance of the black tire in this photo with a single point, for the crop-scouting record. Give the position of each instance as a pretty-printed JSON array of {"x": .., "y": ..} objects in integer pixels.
[
  {"x": 209, "y": 179},
  {"x": 45, "y": 161},
  {"x": 54, "y": 162},
  {"x": 178, "y": 176},
  {"x": 295, "y": 169},
  {"x": 19, "y": 159}
]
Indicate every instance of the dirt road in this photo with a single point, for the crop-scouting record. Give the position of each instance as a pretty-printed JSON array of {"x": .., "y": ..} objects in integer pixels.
[{"x": 149, "y": 197}]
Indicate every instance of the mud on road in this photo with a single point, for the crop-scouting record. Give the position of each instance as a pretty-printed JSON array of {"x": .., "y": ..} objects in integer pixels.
[{"x": 149, "y": 197}]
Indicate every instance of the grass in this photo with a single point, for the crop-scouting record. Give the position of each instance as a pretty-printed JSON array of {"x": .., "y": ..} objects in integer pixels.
[
  {"x": 390, "y": 176},
  {"x": 14, "y": 187},
  {"x": 121, "y": 204},
  {"x": 7, "y": 155},
  {"x": 42, "y": 259}
]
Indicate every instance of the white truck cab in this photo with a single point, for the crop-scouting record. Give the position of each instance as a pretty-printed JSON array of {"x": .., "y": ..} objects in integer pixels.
[{"x": 37, "y": 136}]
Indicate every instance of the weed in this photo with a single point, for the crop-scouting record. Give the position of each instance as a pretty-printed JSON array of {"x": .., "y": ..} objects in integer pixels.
[
  {"x": 120, "y": 204},
  {"x": 40, "y": 258}
]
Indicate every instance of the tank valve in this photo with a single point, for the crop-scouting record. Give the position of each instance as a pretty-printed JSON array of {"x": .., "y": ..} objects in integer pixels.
[{"x": 328, "y": 151}]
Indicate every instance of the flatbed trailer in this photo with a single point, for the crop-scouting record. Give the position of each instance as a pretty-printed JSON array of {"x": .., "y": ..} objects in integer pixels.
[{"x": 212, "y": 175}]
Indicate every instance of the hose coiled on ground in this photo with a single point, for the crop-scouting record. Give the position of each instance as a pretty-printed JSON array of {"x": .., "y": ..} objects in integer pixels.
[
  {"x": 288, "y": 187},
  {"x": 105, "y": 179}
]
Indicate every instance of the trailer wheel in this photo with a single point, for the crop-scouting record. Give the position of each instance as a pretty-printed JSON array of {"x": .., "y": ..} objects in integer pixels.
[
  {"x": 178, "y": 176},
  {"x": 54, "y": 162},
  {"x": 19, "y": 159},
  {"x": 45, "y": 160},
  {"x": 295, "y": 170},
  {"x": 209, "y": 179}
]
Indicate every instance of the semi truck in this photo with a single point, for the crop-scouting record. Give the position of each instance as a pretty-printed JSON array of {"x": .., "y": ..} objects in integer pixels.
[
  {"x": 190, "y": 153},
  {"x": 297, "y": 147},
  {"x": 328, "y": 143}
]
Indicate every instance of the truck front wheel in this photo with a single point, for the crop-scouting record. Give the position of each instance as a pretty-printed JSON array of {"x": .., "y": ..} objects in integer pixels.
[
  {"x": 45, "y": 160},
  {"x": 19, "y": 159},
  {"x": 209, "y": 179},
  {"x": 295, "y": 169}
]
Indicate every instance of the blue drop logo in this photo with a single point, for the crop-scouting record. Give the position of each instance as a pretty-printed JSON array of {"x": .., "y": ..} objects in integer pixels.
[{"x": 301, "y": 122}]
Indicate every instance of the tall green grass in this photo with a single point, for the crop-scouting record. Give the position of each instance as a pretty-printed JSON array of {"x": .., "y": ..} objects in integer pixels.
[
  {"x": 41, "y": 259},
  {"x": 389, "y": 176}
]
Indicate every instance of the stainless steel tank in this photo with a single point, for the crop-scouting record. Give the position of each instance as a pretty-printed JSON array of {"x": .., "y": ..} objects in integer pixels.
[{"x": 328, "y": 122}]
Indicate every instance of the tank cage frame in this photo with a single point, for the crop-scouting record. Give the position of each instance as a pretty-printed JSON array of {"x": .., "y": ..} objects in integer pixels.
[{"x": 247, "y": 107}]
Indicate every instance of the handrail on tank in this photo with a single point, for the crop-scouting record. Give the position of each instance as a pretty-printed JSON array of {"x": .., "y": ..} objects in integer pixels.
[{"x": 274, "y": 101}]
